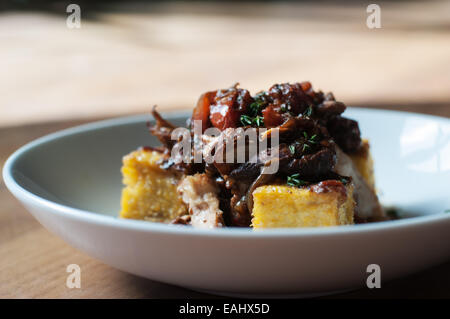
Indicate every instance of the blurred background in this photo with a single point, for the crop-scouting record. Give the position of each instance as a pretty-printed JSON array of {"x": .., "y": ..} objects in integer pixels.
[{"x": 129, "y": 55}]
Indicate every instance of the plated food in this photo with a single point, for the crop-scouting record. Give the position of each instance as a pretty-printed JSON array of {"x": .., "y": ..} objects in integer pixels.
[{"x": 324, "y": 169}]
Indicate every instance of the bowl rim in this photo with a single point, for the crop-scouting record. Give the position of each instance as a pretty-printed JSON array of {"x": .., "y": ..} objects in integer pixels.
[{"x": 27, "y": 197}]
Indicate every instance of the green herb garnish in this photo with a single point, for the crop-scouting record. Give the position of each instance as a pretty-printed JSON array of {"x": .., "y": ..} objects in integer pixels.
[
  {"x": 254, "y": 108},
  {"x": 258, "y": 105},
  {"x": 447, "y": 211},
  {"x": 259, "y": 120},
  {"x": 253, "y": 117},
  {"x": 292, "y": 149},
  {"x": 294, "y": 180},
  {"x": 309, "y": 141},
  {"x": 246, "y": 120}
]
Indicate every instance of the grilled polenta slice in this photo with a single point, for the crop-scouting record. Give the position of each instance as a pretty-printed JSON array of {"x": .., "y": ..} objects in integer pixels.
[
  {"x": 329, "y": 203},
  {"x": 364, "y": 164},
  {"x": 150, "y": 192}
]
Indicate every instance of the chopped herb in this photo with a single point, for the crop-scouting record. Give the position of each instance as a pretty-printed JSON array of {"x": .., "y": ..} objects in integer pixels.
[
  {"x": 258, "y": 105},
  {"x": 283, "y": 108},
  {"x": 260, "y": 96},
  {"x": 308, "y": 111},
  {"x": 447, "y": 211},
  {"x": 259, "y": 120},
  {"x": 294, "y": 180},
  {"x": 344, "y": 180},
  {"x": 292, "y": 149},
  {"x": 254, "y": 108},
  {"x": 309, "y": 141}
]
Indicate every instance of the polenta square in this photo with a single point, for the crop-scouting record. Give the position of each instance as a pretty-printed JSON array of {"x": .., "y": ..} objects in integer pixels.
[
  {"x": 328, "y": 203},
  {"x": 150, "y": 192}
]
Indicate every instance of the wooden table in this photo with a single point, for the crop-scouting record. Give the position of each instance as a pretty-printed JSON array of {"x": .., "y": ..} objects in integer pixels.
[{"x": 33, "y": 261}]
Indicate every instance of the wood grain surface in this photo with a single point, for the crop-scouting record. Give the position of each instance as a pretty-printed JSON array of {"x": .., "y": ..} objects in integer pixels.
[{"x": 124, "y": 60}]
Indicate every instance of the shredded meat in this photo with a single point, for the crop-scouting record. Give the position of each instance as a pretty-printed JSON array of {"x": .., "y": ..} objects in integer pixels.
[{"x": 200, "y": 193}]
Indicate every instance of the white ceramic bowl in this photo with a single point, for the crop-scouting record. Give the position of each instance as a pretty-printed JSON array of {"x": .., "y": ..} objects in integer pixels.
[{"x": 70, "y": 181}]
